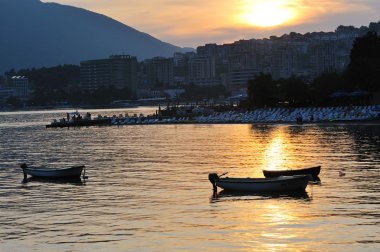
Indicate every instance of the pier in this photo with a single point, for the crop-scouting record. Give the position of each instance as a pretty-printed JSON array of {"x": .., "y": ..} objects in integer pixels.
[{"x": 199, "y": 115}]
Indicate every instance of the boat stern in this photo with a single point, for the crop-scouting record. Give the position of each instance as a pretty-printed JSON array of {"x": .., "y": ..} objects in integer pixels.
[
  {"x": 23, "y": 167},
  {"x": 213, "y": 177}
]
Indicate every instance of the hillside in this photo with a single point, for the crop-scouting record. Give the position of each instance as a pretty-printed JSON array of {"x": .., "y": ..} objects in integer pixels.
[{"x": 35, "y": 34}]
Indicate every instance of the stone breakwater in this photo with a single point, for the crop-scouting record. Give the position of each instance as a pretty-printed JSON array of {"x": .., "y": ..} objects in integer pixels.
[
  {"x": 263, "y": 115},
  {"x": 198, "y": 115}
]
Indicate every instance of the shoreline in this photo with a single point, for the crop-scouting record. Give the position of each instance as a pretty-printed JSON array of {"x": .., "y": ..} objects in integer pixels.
[
  {"x": 205, "y": 115},
  {"x": 115, "y": 122},
  {"x": 363, "y": 115}
]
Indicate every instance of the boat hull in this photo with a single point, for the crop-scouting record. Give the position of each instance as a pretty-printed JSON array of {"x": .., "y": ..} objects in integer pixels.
[
  {"x": 313, "y": 171},
  {"x": 72, "y": 172},
  {"x": 278, "y": 184}
]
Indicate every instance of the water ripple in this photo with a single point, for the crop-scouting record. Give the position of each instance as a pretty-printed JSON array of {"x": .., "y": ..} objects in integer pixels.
[{"x": 148, "y": 188}]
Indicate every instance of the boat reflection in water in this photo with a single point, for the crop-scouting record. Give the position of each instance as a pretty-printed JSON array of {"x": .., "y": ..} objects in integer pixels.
[
  {"x": 73, "y": 181},
  {"x": 231, "y": 195}
]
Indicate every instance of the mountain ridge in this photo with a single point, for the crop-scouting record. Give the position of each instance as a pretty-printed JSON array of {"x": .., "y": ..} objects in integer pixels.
[{"x": 37, "y": 34}]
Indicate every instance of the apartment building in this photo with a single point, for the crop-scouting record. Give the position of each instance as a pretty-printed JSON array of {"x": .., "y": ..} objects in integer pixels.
[
  {"x": 160, "y": 71},
  {"x": 119, "y": 71}
]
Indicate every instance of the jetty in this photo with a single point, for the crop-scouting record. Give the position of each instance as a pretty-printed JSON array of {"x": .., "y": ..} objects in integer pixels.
[
  {"x": 75, "y": 119},
  {"x": 199, "y": 115}
]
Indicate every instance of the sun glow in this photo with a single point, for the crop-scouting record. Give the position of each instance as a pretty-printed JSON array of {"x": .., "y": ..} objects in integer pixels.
[{"x": 268, "y": 13}]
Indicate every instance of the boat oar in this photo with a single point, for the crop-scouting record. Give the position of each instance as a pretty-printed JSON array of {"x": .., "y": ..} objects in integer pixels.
[{"x": 223, "y": 174}]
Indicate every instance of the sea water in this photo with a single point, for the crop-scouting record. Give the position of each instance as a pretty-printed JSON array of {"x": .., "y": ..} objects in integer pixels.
[{"x": 148, "y": 187}]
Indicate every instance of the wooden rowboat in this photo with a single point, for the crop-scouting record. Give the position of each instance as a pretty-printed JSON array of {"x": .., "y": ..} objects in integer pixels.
[
  {"x": 313, "y": 171},
  {"x": 276, "y": 184},
  {"x": 64, "y": 173}
]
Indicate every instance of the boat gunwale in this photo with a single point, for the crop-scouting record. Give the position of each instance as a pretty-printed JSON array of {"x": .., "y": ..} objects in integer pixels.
[
  {"x": 296, "y": 170},
  {"x": 43, "y": 169},
  {"x": 279, "y": 179}
]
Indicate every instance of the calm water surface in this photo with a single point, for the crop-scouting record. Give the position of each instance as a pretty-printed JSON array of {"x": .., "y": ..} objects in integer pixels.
[{"x": 148, "y": 188}]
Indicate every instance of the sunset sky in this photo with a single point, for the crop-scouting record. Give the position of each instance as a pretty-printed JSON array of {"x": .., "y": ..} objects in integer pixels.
[{"x": 190, "y": 23}]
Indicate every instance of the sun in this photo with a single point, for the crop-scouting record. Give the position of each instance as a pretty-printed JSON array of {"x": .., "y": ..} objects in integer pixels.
[{"x": 268, "y": 13}]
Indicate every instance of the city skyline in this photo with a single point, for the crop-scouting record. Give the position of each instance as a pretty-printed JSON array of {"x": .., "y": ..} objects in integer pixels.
[{"x": 192, "y": 23}]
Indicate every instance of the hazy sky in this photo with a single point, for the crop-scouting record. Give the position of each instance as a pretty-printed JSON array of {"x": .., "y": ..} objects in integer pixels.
[{"x": 197, "y": 22}]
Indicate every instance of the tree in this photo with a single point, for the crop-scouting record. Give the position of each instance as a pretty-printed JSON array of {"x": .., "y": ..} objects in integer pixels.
[
  {"x": 14, "y": 102},
  {"x": 363, "y": 70},
  {"x": 295, "y": 91},
  {"x": 51, "y": 77},
  {"x": 195, "y": 92},
  {"x": 324, "y": 85},
  {"x": 262, "y": 91}
]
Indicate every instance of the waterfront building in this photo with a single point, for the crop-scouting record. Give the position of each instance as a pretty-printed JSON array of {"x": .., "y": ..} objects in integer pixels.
[
  {"x": 14, "y": 86},
  {"x": 297, "y": 54},
  {"x": 202, "y": 71},
  {"x": 148, "y": 93},
  {"x": 5, "y": 93},
  {"x": 284, "y": 61},
  {"x": 160, "y": 72},
  {"x": 119, "y": 71},
  {"x": 323, "y": 58},
  {"x": 173, "y": 93},
  {"x": 242, "y": 60},
  {"x": 238, "y": 79},
  {"x": 208, "y": 50},
  {"x": 19, "y": 85},
  {"x": 179, "y": 59},
  {"x": 181, "y": 67}
]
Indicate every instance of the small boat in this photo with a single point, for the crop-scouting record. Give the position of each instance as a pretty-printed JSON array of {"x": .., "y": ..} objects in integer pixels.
[
  {"x": 64, "y": 173},
  {"x": 313, "y": 171},
  {"x": 276, "y": 184}
]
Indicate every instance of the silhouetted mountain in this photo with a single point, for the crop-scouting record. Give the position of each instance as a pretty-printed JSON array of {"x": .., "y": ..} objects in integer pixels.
[{"x": 35, "y": 34}]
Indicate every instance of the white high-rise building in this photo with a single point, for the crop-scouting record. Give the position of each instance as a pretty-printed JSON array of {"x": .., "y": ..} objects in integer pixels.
[{"x": 202, "y": 71}]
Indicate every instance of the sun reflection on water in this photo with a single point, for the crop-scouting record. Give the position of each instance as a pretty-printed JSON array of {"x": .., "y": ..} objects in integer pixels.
[
  {"x": 270, "y": 224},
  {"x": 279, "y": 154},
  {"x": 274, "y": 154}
]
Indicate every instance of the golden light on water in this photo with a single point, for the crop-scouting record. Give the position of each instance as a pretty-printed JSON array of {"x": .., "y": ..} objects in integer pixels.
[
  {"x": 276, "y": 221},
  {"x": 281, "y": 219},
  {"x": 280, "y": 153},
  {"x": 268, "y": 13},
  {"x": 275, "y": 154}
]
